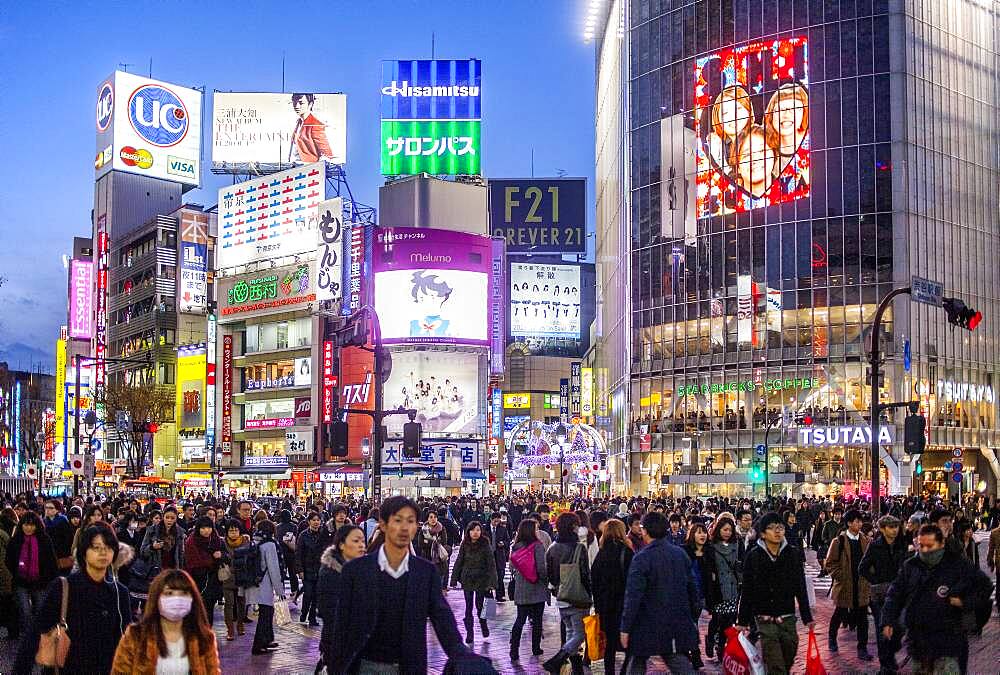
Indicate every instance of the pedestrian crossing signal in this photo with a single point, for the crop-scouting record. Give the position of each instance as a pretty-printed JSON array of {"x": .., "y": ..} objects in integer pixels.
[
  {"x": 756, "y": 473},
  {"x": 412, "y": 432},
  {"x": 913, "y": 434},
  {"x": 336, "y": 438}
]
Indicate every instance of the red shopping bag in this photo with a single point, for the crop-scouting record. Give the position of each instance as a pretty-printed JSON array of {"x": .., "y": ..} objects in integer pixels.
[
  {"x": 734, "y": 659},
  {"x": 813, "y": 664}
]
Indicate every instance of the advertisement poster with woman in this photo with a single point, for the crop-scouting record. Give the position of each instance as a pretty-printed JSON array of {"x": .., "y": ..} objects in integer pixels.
[{"x": 751, "y": 122}]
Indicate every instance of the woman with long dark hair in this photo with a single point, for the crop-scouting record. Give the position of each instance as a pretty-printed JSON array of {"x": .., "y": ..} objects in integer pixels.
[
  {"x": 173, "y": 636},
  {"x": 31, "y": 560},
  {"x": 609, "y": 573},
  {"x": 702, "y": 557},
  {"x": 529, "y": 596},
  {"x": 204, "y": 553},
  {"x": 728, "y": 570},
  {"x": 348, "y": 544},
  {"x": 476, "y": 570}
]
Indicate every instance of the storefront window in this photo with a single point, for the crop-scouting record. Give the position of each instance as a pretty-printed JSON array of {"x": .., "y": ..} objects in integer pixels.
[{"x": 279, "y": 335}]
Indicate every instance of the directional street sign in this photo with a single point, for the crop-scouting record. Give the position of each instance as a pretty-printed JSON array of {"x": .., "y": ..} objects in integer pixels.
[{"x": 927, "y": 291}]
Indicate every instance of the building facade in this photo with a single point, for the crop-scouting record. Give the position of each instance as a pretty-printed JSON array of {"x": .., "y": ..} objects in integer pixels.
[{"x": 783, "y": 167}]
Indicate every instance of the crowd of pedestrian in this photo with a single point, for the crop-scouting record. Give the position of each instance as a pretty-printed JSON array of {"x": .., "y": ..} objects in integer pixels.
[{"x": 135, "y": 586}]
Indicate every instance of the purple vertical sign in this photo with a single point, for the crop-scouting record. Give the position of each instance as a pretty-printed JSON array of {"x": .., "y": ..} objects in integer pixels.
[{"x": 498, "y": 308}]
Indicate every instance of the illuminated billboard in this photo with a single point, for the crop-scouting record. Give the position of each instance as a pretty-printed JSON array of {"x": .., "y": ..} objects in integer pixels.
[
  {"x": 270, "y": 217},
  {"x": 148, "y": 127},
  {"x": 442, "y": 386},
  {"x": 540, "y": 215},
  {"x": 431, "y": 117},
  {"x": 192, "y": 296},
  {"x": 432, "y": 285},
  {"x": 271, "y": 128},
  {"x": 267, "y": 292},
  {"x": 330, "y": 250},
  {"x": 751, "y": 124},
  {"x": 190, "y": 389},
  {"x": 81, "y": 289},
  {"x": 544, "y": 300},
  {"x": 437, "y": 147}
]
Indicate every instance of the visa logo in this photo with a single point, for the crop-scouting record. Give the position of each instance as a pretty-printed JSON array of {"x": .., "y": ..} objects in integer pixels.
[{"x": 181, "y": 167}]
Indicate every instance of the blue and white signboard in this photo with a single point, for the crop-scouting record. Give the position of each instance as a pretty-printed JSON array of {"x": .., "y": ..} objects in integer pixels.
[{"x": 432, "y": 90}]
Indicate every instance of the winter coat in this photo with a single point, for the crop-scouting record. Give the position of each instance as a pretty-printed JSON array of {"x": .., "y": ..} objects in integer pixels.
[
  {"x": 138, "y": 656},
  {"x": 661, "y": 602},
  {"x": 831, "y": 529},
  {"x": 202, "y": 565},
  {"x": 272, "y": 583},
  {"x": 230, "y": 583},
  {"x": 882, "y": 562},
  {"x": 328, "y": 594},
  {"x": 608, "y": 575},
  {"x": 286, "y": 553},
  {"x": 840, "y": 565},
  {"x": 525, "y": 592},
  {"x": 357, "y": 616},
  {"x": 309, "y": 549},
  {"x": 728, "y": 568},
  {"x": 47, "y": 568},
  {"x": 155, "y": 556},
  {"x": 560, "y": 553},
  {"x": 933, "y": 625},
  {"x": 61, "y": 533},
  {"x": 703, "y": 567},
  {"x": 771, "y": 585},
  {"x": 475, "y": 567},
  {"x": 993, "y": 552},
  {"x": 96, "y": 615},
  {"x": 6, "y": 578}
]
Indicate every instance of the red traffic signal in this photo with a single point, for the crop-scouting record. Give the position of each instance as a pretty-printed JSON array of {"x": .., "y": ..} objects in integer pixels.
[
  {"x": 807, "y": 420},
  {"x": 152, "y": 427},
  {"x": 961, "y": 315}
]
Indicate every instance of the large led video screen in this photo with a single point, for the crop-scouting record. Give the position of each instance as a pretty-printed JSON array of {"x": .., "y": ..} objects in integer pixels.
[
  {"x": 751, "y": 123},
  {"x": 432, "y": 286},
  {"x": 544, "y": 300},
  {"x": 442, "y": 386}
]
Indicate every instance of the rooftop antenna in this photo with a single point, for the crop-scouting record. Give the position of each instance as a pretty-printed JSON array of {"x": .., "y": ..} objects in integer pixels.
[
  {"x": 282, "y": 72},
  {"x": 124, "y": 66},
  {"x": 150, "y": 67},
  {"x": 532, "y": 162},
  {"x": 432, "y": 45}
]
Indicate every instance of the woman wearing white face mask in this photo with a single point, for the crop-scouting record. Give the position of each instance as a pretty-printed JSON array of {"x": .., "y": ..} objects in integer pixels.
[{"x": 173, "y": 637}]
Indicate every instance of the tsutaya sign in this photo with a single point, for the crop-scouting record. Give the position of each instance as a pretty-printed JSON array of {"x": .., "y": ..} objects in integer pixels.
[
  {"x": 951, "y": 390},
  {"x": 775, "y": 384},
  {"x": 860, "y": 435}
]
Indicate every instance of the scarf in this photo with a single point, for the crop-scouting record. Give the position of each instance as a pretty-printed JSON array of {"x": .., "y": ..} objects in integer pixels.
[
  {"x": 234, "y": 543},
  {"x": 28, "y": 561},
  {"x": 436, "y": 529}
]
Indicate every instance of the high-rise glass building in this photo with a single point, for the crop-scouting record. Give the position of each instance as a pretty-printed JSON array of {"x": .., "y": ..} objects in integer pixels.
[{"x": 767, "y": 172}]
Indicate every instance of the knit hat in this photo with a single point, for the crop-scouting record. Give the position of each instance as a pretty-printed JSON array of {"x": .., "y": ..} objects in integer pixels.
[{"x": 768, "y": 519}]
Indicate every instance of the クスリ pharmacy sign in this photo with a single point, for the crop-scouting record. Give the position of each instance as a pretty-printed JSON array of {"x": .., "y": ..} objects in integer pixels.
[{"x": 768, "y": 385}]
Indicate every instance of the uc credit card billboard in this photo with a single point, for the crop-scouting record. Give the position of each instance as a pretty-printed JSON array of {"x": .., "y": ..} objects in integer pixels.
[
  {"x": 431, "y": 117},
  {"x": 148, "y": 127},
  {"x": 432, "y": 286}
]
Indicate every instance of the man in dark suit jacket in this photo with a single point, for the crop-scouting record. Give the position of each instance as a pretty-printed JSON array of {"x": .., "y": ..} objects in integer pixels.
[{"x": 386, "y": 599}]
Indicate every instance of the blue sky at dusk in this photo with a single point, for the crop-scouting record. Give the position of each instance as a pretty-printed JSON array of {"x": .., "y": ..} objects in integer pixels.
[{"x": 538, "y": 93}]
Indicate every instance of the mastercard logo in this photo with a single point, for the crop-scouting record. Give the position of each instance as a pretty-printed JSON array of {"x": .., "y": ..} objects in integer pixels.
[{"x": 141, "y": 158}]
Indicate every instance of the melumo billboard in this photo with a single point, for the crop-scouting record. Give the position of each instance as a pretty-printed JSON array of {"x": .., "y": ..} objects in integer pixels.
[
  {"x": 431, "y": 117},
  {"x": 432, "y": 286},
  {"x": 148, "y": 127},
  {"x": 271, "y": 128}
]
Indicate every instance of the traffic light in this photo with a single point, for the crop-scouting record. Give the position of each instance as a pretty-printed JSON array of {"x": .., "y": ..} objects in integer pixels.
[
  {"x": 913, "y": 434},
  {"x": 757, "y": 473},
  {"x": 336, "y": 438},
  {"x": 919, "y": 470},
  {"x": 412, "y": 432},
  {"x": 960, "y": 315}
]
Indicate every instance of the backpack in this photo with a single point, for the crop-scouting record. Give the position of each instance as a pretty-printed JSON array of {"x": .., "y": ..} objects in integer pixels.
[{"x": 247, "y": 567}]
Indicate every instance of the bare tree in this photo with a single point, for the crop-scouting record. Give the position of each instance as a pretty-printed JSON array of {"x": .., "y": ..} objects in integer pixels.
[{"x": 142, "y": 404}]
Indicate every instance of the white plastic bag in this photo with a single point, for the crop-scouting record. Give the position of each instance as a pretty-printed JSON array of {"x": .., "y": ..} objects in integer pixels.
[
  {"x": 489, "y": 609},
  {"x": 753, "y": 655},
  {"x": 811, "y": 592}
]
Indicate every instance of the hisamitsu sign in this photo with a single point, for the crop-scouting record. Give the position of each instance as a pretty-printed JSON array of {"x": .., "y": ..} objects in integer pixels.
[{"x": 540, "y": 215}]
